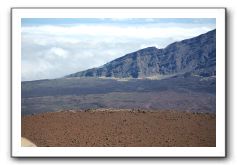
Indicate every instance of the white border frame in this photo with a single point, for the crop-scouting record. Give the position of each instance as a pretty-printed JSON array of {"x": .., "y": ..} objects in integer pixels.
[{"x": 218, "y": 151}]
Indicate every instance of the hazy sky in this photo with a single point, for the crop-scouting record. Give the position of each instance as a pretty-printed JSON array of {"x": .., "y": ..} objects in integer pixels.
[{"x": 53, "y": 48}]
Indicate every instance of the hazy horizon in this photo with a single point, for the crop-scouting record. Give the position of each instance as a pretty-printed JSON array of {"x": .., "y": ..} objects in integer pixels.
[{"x": 53, "y": 48}]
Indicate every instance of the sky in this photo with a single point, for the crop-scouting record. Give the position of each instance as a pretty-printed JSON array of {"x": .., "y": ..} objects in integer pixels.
[{"x": 55, "y": 47}]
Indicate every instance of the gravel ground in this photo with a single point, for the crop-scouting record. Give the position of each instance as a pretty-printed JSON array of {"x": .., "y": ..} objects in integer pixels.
[{"x": 120, "y": 128}]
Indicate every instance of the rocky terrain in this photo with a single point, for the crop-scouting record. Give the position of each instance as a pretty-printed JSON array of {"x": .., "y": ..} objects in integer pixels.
[
  {"x": 151, "y": 97},
  {"x": 178, "y": 77},
  {"x": 120, "y": 128},
  {"x": 196, "y": 55},
  {"x": 180, "y": 93}
]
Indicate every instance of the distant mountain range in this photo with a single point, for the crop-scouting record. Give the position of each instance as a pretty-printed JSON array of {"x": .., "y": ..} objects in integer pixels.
[
  {"x": 195, "y": 55},
  {"x": 188, "y": 68}
]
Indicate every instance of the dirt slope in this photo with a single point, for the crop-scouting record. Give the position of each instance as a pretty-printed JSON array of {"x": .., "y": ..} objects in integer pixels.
[{"x": 120, "y": 128}]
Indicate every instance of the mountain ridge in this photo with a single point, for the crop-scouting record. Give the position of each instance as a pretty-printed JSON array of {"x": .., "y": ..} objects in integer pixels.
[{"x": 196, "y": 55}]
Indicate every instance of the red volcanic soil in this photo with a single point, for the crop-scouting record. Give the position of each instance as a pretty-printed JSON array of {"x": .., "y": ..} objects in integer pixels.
[{"x": 121, "y": 128}]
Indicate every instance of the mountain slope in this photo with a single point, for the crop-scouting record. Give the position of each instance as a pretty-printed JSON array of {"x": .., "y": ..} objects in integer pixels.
[{"x": 196, "y": 55}]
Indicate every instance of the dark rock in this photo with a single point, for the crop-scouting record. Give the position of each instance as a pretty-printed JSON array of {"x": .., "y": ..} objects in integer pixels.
[{"x": 196, "y": 55}]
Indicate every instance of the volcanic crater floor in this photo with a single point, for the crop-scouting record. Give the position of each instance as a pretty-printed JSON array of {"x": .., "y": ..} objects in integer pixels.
[{"x": 120, "y": 128}]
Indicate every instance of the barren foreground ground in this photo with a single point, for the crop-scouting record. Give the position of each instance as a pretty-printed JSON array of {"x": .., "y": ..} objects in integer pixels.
[{"x": 120, "y": 128}]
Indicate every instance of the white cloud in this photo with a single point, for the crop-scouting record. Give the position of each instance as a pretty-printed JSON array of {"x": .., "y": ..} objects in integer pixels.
[
  {"x": 58, "y": 52},
  {"x": 115, "y": 31},
  {"x": 55, "y": 51}
]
